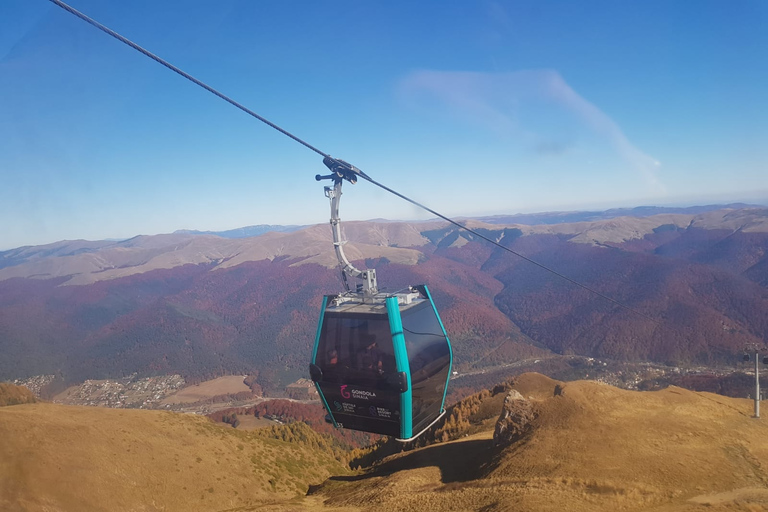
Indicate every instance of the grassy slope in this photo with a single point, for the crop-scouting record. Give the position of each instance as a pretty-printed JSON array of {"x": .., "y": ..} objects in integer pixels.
[
  {"x": 15, "y": 395},
  {"x": 594, "y": 447},
  {"x": 66, "y": 458}
]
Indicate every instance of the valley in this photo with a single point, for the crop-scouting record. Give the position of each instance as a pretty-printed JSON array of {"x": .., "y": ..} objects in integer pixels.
[
  {"x": 168, "y": 392},
  {"x": 129, "y": 393},
  {"x": 171, "y": 393}
]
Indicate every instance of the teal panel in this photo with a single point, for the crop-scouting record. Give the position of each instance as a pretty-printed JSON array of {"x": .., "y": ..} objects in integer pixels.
[
  {"x": 314, "y": 357},
  {"x": 401, "y": 361},
  {"x": 319, "y": 328}
]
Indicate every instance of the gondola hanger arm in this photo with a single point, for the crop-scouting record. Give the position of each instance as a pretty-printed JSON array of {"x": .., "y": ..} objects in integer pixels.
[{"x": 340, "y": 171}]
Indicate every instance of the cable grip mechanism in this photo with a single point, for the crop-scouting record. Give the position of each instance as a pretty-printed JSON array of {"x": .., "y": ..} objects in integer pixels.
[{"x": 341, "y": 171}]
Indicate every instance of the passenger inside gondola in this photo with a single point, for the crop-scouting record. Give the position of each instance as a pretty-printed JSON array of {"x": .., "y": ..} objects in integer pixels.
[
  {"x": 370, "y": 359},
  {"x": 333, "y": 359},
  {"x": 356, "y": 351}
]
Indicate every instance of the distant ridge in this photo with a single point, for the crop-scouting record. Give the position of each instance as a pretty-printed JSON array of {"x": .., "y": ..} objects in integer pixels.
[
  {"x": 243, "y": 232},
  {"x": 532, "y": 219}
]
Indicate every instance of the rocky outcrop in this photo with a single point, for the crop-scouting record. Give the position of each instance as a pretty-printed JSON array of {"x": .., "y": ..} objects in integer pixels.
[{"x": 515, "y": 419}]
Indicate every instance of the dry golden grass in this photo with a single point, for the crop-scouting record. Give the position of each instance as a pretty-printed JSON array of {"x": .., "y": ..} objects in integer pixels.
[
  {"x": 69, "y": 458},
  {"x": 593, "y": 448},
  {"x": 249, "y": 422},
  {"x": 11, "y": 394},
  {"x": 222, "y": 386}
]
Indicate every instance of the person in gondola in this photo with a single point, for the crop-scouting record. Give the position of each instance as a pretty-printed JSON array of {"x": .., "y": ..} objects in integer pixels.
[
  {"x": 333, "y": 370},
  {"x": 333, "y": 358},
  {"x": 370, "y": 359}
]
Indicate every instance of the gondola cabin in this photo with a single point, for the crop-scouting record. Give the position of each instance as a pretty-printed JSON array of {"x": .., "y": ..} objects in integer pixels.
[{"x": 382, "y": 364}]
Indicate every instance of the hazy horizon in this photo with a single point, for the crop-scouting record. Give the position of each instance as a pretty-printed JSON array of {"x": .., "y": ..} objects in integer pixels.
[{"x": 181, "y": 230}]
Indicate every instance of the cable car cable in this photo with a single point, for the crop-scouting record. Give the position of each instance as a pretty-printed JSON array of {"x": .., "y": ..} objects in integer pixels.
[
  {"x": 339, "y": 166},
  {"x": 182, "y": 73}
]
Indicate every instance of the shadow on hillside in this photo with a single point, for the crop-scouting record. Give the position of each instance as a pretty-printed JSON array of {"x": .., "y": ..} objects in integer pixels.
[{"x": 458, "y": 461}]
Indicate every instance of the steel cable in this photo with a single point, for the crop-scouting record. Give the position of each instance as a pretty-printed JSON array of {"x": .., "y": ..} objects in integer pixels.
[{"x": 182, "y": 73}]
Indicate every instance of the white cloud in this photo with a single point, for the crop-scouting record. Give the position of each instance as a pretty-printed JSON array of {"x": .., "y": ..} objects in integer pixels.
[{"x": 494, "y": 99}]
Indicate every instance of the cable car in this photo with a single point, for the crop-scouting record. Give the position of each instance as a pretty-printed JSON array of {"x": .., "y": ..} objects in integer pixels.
[{"x": 381, "y": 361}]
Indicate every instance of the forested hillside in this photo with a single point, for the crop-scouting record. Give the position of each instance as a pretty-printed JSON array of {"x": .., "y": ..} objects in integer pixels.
[{"x": 695, "y": 287}]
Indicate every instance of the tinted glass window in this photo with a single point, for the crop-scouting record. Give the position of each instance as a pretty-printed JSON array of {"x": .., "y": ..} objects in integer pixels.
[
  {"x": 429, "y": 357},
  {"x": 356, "y": 356},
  {"x": 356, "y": 347}
]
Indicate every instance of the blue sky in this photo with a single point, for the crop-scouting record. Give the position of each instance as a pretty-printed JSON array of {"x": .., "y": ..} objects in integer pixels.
[{"x": 472, "y": 108}]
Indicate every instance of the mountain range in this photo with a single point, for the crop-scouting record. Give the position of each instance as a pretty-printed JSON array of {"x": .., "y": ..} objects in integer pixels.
[
  {"x": 692, "y": 288},
  {"x": 243, "y": 232}
]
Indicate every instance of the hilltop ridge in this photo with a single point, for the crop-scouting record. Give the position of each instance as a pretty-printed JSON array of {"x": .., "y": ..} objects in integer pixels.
[
  {"x": 590, "y": 447},
  {"x": 84, "y": 262}
]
